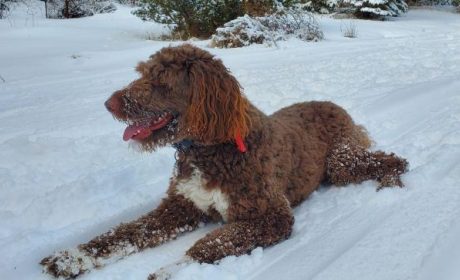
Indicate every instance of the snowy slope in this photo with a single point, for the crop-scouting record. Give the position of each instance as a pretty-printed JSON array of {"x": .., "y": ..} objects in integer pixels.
[{"x": 66, "y": 175}]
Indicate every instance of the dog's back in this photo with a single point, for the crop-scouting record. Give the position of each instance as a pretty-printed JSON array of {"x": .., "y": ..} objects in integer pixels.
[
  {"x": 310, "y": 130},
  {"x": 331, "y": 122}
]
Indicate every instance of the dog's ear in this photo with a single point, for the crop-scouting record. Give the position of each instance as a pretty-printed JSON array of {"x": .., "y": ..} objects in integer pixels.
[
  {"x": 217, "y": 112},
  {"x": 142, "y": 68}
]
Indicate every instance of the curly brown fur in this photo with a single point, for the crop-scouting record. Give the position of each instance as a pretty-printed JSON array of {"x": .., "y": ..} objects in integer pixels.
[
  {"x": 187, "y": 98},
  {"x": 174, "y": 216},
  {"x": 353, "y": 164},
  {"x": 240, "y": 237}
]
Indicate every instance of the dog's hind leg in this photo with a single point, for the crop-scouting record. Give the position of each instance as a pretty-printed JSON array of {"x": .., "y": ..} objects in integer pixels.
[
  {"x": 348, "y": 163},
  {"x": 174, "y": 216}
]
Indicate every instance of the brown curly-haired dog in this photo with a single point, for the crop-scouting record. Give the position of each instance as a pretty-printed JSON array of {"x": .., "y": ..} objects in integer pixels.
[{"x": 234, "y": 163}]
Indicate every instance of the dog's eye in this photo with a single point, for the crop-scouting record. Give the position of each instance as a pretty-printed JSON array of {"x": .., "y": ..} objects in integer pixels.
[{"x": 162, "y": 90}]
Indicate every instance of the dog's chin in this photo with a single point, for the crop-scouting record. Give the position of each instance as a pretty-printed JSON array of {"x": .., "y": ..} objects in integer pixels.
[{"x": 154, "y": 142}]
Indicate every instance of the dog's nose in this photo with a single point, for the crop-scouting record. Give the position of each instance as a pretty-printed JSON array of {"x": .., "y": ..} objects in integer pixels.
[
  {"x": 113, "y": 104},
  {"x": 108, "y": 105}
]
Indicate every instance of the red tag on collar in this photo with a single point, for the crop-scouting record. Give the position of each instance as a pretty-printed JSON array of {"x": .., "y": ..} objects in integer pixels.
[{"x": 240, "y": 143}]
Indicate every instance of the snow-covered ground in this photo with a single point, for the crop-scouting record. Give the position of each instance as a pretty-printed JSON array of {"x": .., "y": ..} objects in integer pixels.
[{"x": 66, "y": 175}]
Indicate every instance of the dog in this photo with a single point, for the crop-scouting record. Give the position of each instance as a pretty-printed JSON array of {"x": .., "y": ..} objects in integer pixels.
[{"x": 234, "y": 163}]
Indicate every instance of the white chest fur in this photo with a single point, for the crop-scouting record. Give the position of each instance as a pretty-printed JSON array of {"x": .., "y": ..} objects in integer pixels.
[{"x": 194, "y": 190}]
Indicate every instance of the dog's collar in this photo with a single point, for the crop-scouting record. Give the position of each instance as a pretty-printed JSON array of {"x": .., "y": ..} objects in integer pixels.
[
  {"x": 240, "y": 143},
  {"x": 183, "y": 146}
]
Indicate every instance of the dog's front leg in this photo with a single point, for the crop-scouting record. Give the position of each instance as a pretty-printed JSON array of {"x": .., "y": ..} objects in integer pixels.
[
  {"x": 235, "y": 238},
  {"x": 174, "y": 216}
]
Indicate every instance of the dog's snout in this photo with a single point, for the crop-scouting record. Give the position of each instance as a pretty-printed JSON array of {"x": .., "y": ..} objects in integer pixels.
[
  {"x": 113, "y": 104},
  {"x": 109, "y": 106}
]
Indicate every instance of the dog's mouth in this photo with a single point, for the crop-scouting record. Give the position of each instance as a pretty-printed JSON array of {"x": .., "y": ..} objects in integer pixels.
[{"x": 142, "y": 130}]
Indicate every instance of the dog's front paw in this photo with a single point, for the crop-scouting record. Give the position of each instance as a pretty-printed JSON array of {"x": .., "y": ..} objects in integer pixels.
[{"x": 68, "y": 264}]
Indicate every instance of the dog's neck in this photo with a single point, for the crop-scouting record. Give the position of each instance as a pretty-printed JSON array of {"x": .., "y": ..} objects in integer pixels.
[
  {"x": 183, "y": 146},
  {"x": 258, "y": 119}
]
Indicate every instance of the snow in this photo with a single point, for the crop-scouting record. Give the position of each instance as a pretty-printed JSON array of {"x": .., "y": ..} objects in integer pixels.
[{"x": 66, "y": 175}]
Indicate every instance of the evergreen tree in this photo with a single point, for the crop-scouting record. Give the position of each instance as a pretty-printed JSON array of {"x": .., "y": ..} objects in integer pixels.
[
  {"x": 378, "y": 8},
  {"x": 192, "y": 18}
]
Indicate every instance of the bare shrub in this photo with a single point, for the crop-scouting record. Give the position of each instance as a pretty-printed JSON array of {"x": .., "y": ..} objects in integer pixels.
[
  {"x": 349, "y": 30},
  {"x": 167, "y": 35},
  {"x": 77, "y": 8}
]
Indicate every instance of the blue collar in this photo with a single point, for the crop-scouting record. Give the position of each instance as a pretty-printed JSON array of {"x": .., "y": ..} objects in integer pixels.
[{"x": 183, "y": 146}]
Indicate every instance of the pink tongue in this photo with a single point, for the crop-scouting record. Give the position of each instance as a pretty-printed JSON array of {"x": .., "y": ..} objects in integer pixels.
[
  {"x": 136, "y": 131},
  {"x": 144, "y": 131}
]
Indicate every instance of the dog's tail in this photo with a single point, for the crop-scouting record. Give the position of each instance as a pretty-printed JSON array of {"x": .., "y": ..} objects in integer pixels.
[{"x": 361, "y": 137}]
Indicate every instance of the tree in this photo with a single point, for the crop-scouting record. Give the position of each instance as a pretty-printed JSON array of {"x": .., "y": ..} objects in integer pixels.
[
  {"x": 378, "y": 8},
  {"x": 192, "y": 18}
]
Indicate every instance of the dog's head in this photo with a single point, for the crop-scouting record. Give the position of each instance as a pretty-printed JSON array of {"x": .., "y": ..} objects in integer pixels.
[{"x": 183, "y": 93}]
